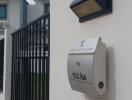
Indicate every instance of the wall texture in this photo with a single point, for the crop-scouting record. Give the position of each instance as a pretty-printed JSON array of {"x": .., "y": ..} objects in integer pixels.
[
  {"x": 4, "y": 1},
  {"x": 116, "y": 32},
  {"x": 14, "y": 9},
  {"x": 1, "y": 96},
  {"x": 14, "y": 23},
  {"x": 35, "y": 11}
]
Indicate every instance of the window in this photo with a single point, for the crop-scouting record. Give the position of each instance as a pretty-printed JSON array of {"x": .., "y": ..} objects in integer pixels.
[
  {"x": 3, "y": 11},
  {"x": 46, "y": 8},
  {"x": 1, "y": 31}
]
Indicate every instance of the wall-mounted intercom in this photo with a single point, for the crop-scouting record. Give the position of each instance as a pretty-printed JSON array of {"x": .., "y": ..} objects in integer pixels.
[{"x": 87, "y": 66}]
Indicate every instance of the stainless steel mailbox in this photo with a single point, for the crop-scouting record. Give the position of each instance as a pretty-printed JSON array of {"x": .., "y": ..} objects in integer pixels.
[{"x": 87, "y": 66}]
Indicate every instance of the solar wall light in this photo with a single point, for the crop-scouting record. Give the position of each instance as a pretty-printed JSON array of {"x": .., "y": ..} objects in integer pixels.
[{"x": 89, "y": 9}]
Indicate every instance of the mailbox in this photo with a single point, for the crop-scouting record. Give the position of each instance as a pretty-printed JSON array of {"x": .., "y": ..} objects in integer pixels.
[{"x": 87, "y": 66}]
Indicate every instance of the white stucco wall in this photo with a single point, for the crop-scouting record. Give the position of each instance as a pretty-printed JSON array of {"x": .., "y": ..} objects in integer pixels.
[
  {"x": 7, "y": 65},
  {"x": 1, "y": 96},
  {"x": 14, "y": 23},
  {"x": 116, "y": 32},
  {"x": 14, "y": 9},
  {"x": 4, "y": 1}
]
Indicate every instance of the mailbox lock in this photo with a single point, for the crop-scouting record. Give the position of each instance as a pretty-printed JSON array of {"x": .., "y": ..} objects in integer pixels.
[
  {"x": 101, "y": 84},
  {"x": 78, "y": 63}
]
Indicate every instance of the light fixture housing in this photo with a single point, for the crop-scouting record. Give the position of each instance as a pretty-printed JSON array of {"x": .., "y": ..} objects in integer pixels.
[{"x": 89, "y": 9}]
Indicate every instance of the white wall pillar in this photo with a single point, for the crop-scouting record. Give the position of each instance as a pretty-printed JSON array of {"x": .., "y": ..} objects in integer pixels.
[
  {"x": 14, "y": 20},
  {"x": 7, "y": 65}
]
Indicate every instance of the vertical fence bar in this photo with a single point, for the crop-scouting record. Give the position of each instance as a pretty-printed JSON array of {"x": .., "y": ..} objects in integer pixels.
[
  {"x": 33, "y": 93},
  {"x": 20, "y": 58},
  {"x": 39, "y": 60},
  {"x": 16, "y": 68},
  {"x": 29, "y": 61},
  {"x": 25, "y": 60},
  {"x": 43, "y": 63},
  {"x": 18, "y": 65},
  {"x": 31, "y": 55},
  {"x": 22, "y": 63},
  {"x": 47, "y": 60},
  {"x": 35, "y": 62},
  {"x": 12, "y": 78}
]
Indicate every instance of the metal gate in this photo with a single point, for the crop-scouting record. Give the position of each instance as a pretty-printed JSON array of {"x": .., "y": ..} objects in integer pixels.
[
  {"x": 1, "y": 63},
  {"x": 30, "y": 61}
]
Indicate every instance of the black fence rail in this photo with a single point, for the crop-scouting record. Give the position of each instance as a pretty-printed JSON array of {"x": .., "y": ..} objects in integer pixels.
[
  {"x": 30, "y": 61},
  {"x": 1, "y": 63}
]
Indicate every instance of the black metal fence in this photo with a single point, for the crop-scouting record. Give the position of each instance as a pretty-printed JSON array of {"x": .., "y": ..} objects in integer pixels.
[
  {"x": 30, "y": 65},
  {"x": 1, "y": 63}
]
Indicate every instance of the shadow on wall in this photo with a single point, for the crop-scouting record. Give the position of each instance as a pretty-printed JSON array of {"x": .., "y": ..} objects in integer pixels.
[{"x": 111, "y": 88}]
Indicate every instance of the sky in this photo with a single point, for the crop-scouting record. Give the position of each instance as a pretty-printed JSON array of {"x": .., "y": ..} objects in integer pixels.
[{"x": 30, "y": 1}]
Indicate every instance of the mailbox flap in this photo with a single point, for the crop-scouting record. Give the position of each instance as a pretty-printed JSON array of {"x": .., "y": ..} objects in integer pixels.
[{"x": 85, "y": 46}]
